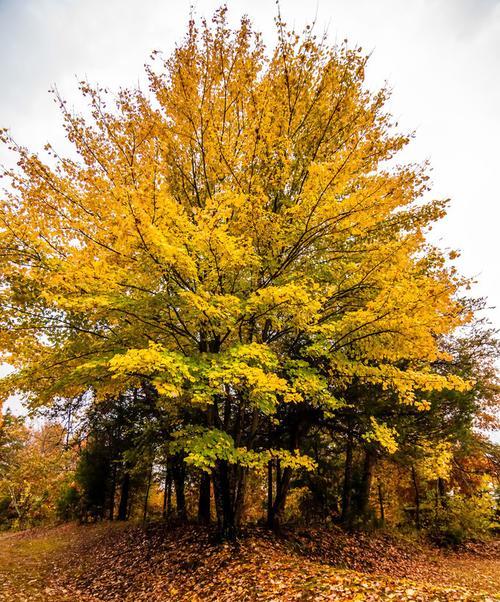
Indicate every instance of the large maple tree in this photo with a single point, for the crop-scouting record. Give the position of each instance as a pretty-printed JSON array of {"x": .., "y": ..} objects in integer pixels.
[{"x": 240, "y": 236}]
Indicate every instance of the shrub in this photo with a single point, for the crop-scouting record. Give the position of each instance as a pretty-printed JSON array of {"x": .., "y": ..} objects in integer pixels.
[
  {"x": 68, "y": 503},
  {"x": 463, "y": 518}
]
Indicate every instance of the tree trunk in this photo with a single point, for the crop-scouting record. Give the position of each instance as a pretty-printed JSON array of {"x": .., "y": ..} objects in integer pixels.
[
  {"x": 124, "y": 495},
  {"x": 204, "y": 499},
  {"x": 179, "y": 475},
  {"x": 417, "y": 497},
  {"x": 283, "y": 479},
  {"x": 239, "y": 495},
  {"x": 226, "y": 519},
  {"x": 68, "y": 428},
  {"x": 146, "y": 498},
  {"x": 347, "y": 487},
  {"x": 270, "y": 494},
  {"x": 129, "y": 509},
  {"x": 381, "y": 503},
  {"x": 112, "y": 494},
  {"x": 298, "y": 430},
  {"x": 169, "y": 497},
  {"x": 167, "y": 494},
  {"x": 442, "y": 492},
  {"x": 366, "y": 483}
]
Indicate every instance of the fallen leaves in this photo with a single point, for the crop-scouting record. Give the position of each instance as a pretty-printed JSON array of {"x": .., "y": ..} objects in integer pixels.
[{"x": 109, "y": 562}]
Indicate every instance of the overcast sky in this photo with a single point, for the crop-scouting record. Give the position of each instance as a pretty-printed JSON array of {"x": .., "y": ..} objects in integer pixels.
[{"x": 441, "y": 58}]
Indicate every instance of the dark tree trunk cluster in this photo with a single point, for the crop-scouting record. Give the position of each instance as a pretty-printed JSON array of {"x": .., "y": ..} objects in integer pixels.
[{"x": 278, "y": 492}]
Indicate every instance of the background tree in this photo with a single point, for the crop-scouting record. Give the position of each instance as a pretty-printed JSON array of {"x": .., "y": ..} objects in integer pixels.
[{"x": 36, "y": 471}]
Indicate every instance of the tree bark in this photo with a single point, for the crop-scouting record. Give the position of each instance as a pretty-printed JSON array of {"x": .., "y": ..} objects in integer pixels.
[
  {"x": 270, "y": 493},
  {"x": 112, "y": 494},
  {"x": 179, "y": 476},
  {"x": 442, "y": 492},
  {"x": 169, "y": 497},
  {"x": 417, "y": 497},
  {"x": 239, "y": 495},
  {"x": 167, "y": 493},
  {"x": 204, "y": 499},
  {"x": 366, "y": 483},
  {"x": 381, "y": 503},
  {"x": 283, "y": 479},
  {"x": 299, "y": 427},
  {"x": 146, "y": 497},
  {"x": 226, "y": 519},
  {"x": 347, "y": 486},
  {"x": 124, "y": 495}
]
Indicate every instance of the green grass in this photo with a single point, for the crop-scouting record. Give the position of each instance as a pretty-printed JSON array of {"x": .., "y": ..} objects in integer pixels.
[{"x": 28, "y": 564}]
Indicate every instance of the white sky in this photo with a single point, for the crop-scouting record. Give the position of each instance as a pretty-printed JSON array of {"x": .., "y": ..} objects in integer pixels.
[{"x": 440, "y": 57}]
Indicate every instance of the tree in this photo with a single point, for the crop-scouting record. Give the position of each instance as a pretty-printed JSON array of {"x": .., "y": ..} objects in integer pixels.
[
  {"x": 120, "y": 439},
  {"x": 242, "y": 241},
  {"x": 35, "y": 470}
]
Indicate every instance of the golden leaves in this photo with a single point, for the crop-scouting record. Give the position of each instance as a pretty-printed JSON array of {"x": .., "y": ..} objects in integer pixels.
[
  {"x": 382, "y": 434},
  {"x": 252, "y": 201}
]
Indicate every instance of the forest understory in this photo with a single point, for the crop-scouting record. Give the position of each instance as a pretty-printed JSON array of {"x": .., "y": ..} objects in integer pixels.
[{"x": 72, "y": 563}]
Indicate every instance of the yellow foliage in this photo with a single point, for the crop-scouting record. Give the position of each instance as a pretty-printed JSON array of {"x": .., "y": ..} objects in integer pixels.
[
  {"x": 436, "y": 459},
  {"x": 243, "y": 213},
  {"x": 382, "y": 434}
]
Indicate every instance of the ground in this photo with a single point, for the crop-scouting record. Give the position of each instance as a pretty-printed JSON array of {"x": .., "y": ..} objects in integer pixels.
[{"x": 105, "y": 562}]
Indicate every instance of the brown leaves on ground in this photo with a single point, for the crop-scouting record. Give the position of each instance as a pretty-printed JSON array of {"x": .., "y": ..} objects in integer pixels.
[
  {"x": 123, "y": 562},
  {"x": 476, "y": 565}
]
